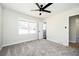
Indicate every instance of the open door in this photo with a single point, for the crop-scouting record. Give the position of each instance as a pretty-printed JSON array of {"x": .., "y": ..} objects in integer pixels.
[
  {"x": 74, "y": 31},
  {"x": 40, "y": 30},
  {"x": 44, "y": 31}
]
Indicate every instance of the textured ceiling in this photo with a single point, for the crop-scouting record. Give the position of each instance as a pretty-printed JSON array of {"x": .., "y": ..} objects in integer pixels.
[{"x": 27, "y": 7}]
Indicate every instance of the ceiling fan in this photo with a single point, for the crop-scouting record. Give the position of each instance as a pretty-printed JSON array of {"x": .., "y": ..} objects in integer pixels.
[{"x": 42, "y": 8}]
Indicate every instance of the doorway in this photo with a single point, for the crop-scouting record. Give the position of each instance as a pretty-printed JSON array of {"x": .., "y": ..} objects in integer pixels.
[
  {"x": 40, "y": 30},
  {"x": 44, "y": 30},
  {"x": 74, "y": 31},
  {"x": 42, "y": 26}
]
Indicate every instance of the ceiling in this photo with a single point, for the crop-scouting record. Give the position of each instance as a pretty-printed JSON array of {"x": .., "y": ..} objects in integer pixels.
[{"x": 27, "y": 7}]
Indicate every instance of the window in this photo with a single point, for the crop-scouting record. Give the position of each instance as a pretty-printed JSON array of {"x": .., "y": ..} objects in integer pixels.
[
  {"x": 22, "y": 27},
  {"x": 32, "y": 27},
  {"x": 25, "y": 27}
]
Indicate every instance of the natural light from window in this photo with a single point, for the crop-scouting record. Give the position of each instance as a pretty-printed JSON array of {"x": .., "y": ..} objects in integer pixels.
[{"x": 25, "y": 27}]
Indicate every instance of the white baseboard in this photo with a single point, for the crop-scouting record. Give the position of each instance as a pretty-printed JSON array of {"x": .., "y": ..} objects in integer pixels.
[
  {"x": 18, "y": 42},
  {"x": 61, "y": 43},
  {"x": 73, "y": 41}
]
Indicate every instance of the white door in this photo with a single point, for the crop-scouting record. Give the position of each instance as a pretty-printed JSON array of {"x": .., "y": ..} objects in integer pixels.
[{"x": 40, "y": 30}]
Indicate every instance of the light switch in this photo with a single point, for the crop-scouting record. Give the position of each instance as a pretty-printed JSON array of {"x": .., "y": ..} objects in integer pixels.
[{"x": 65, "y": 27}]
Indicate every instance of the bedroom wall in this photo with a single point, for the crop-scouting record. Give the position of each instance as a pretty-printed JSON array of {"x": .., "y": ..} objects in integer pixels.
[
  {"x": 10, "y": 32},
  {"x": 0, "y": 26},
  {"x": 56, "y": 31}
]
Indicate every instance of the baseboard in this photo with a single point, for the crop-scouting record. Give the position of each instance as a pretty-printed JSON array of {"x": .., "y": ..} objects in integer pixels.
[
  {"x": 59, "y": 42},
  {"x": 17, "y": 42},
  {"x": 72, "y": 41}
]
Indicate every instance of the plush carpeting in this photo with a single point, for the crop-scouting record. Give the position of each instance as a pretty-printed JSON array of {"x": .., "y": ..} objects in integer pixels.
[{"x": 39, "y": 48}]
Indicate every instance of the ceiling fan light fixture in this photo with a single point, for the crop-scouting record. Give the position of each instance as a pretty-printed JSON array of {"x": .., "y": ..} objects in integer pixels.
[
  {"x": 40, "y": 14},
  {"x": 41, "y": 6}
]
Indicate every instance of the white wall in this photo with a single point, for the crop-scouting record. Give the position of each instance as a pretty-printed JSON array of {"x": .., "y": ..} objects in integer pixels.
[
  {"x": 0, "y": 26},
  {"x": 10, "y": 33},
  {"x": 56, "y": 31},
  {"x": 72, "y": 29}
]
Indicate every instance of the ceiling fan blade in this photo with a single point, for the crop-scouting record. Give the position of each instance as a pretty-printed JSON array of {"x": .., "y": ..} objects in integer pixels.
[
  {"x": 35, "y": 10},
  {"x": 47, "y": 11},
  {"x": 47, "y": 5},
  {"x": 37, "y": 5}
]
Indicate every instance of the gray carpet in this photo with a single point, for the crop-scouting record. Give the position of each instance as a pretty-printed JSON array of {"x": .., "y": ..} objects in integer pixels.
[{"x": 38, "y": 48}]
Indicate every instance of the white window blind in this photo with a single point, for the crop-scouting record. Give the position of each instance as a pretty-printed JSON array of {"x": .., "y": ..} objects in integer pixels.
[
  {"x": 32, "y": 27},
  {"x": 25, "y": 27}
]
